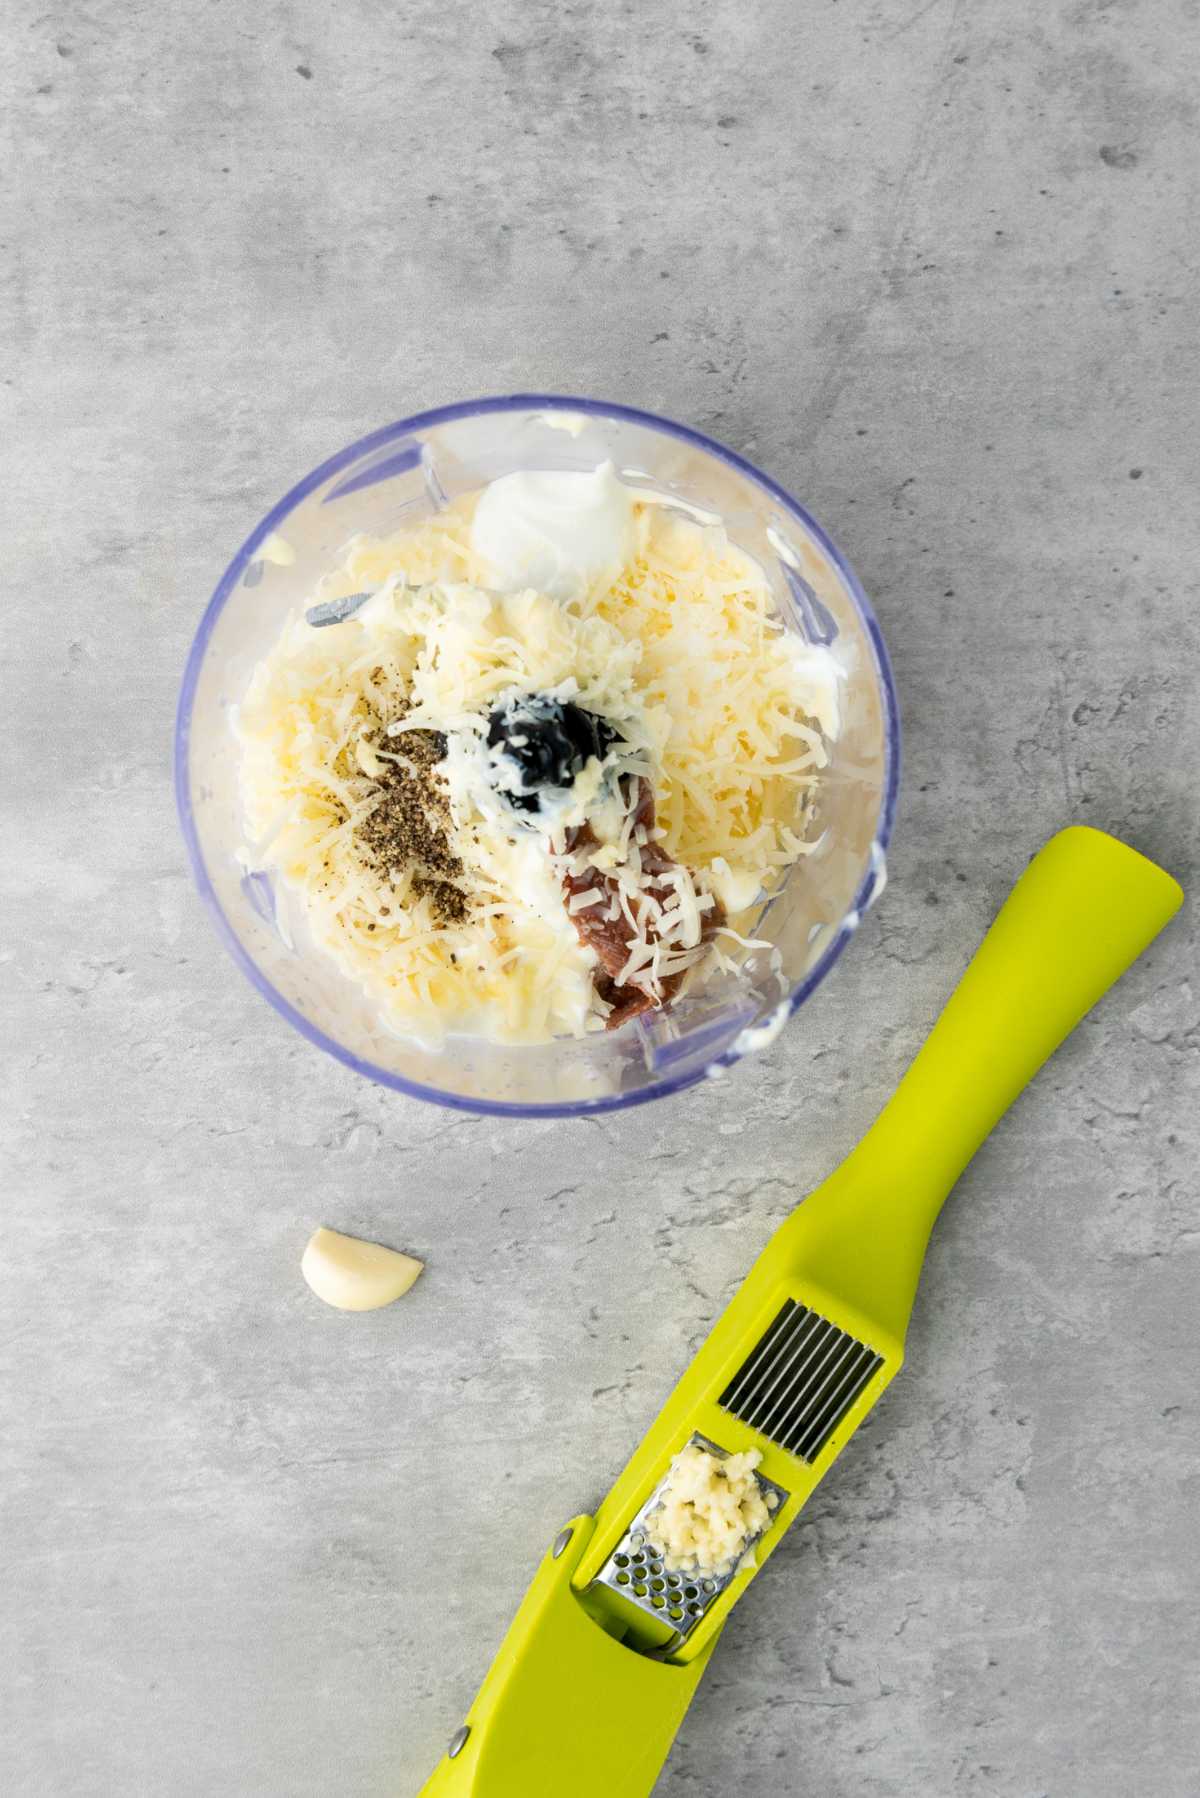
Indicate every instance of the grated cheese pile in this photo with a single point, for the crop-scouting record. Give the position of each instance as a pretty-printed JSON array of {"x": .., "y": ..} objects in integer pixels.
[
  {"x": 719, "y": 711},
  {"x": 711, "y": 1509},
  {"x": 744, "y": 714}
]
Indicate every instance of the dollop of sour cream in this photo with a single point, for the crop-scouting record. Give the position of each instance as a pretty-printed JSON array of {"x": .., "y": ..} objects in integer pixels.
[{"x": 566, "y": 534}]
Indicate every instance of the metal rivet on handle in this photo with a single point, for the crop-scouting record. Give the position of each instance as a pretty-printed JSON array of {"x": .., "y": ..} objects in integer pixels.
[
  {"x": 458, "y": 1741},
  {"x": 560, "y": 1543}
]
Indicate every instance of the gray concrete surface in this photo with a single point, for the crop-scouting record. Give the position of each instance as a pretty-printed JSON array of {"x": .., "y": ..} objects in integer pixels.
[{"x": 931, "y": 265}]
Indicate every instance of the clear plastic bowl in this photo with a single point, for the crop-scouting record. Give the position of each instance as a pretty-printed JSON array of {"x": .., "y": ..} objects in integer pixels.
[{"x": 404, "y": 472}]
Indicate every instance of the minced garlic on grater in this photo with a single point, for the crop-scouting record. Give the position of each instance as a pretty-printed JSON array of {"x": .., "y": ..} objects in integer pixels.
[{"x": 711, "y": 1509}]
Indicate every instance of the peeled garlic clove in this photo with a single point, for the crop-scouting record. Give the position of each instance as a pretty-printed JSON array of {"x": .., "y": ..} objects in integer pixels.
[{"x": 353, "y": 1275}]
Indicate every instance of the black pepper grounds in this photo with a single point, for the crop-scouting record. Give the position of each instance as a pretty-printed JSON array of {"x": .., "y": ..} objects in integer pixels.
[
  {"x": 409, "y": 826},
  {"x": 449, "y": 902}
]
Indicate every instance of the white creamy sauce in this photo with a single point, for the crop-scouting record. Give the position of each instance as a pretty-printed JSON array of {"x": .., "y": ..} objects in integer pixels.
[
  {"x": 880, "y": 873},
  {"x": 651, "y": 496},
  {"x": 564, "y": 533},
  {"x": 783, "y": 549},
  {"x": 821, "y": 668},
  {"x": 762, "y": 1035},
  {"x": 574, "y": 424}
]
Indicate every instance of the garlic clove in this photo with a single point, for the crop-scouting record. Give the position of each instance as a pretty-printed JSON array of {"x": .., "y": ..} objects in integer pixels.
[{"x": 353, "y": 1275}]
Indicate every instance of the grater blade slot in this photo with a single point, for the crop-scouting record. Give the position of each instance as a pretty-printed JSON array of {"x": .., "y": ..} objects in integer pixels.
[
  {"x": 838, "y": 1401},
  {"x": 797, "y": 1344},
  {"x": 800, "y": 1380},
  {"x": 744, "y": 1383},
  {"x": 812, "y": 1395},
  {"x": 804, "y": 1381}
]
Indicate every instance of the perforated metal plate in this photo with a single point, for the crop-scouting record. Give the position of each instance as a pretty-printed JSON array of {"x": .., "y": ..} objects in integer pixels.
[
  {"x": 640, "y": 1575},
  {"x": 800, "y": 1380}
]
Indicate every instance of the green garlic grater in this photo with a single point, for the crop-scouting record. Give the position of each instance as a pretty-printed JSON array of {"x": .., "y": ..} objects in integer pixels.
[{"x": 592, "y": 1680}]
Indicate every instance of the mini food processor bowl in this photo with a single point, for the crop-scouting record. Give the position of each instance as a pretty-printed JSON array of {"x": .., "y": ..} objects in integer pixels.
[{"x": 399, "y": 475}]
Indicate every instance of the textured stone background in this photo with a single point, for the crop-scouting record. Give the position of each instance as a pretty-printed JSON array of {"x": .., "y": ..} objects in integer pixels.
[{"x": 930, "y": 264}]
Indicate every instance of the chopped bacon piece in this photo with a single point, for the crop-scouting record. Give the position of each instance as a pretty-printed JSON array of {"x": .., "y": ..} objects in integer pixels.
[{"x": 611, "y": 937}]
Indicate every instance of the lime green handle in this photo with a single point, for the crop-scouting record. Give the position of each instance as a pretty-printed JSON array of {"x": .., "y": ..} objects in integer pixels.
[
  {"x": 566, "y": 1711},
  {"x": 1084, "y": 909}
]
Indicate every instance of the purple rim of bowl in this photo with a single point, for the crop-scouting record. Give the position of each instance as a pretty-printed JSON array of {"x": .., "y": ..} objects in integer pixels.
[{"x": 523, "y": 402}]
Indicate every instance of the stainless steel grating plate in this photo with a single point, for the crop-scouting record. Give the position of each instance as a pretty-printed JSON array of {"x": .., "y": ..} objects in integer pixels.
[
  {"x": 638, "y": 1572},
  {"x": 800, "y": 1381}
]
